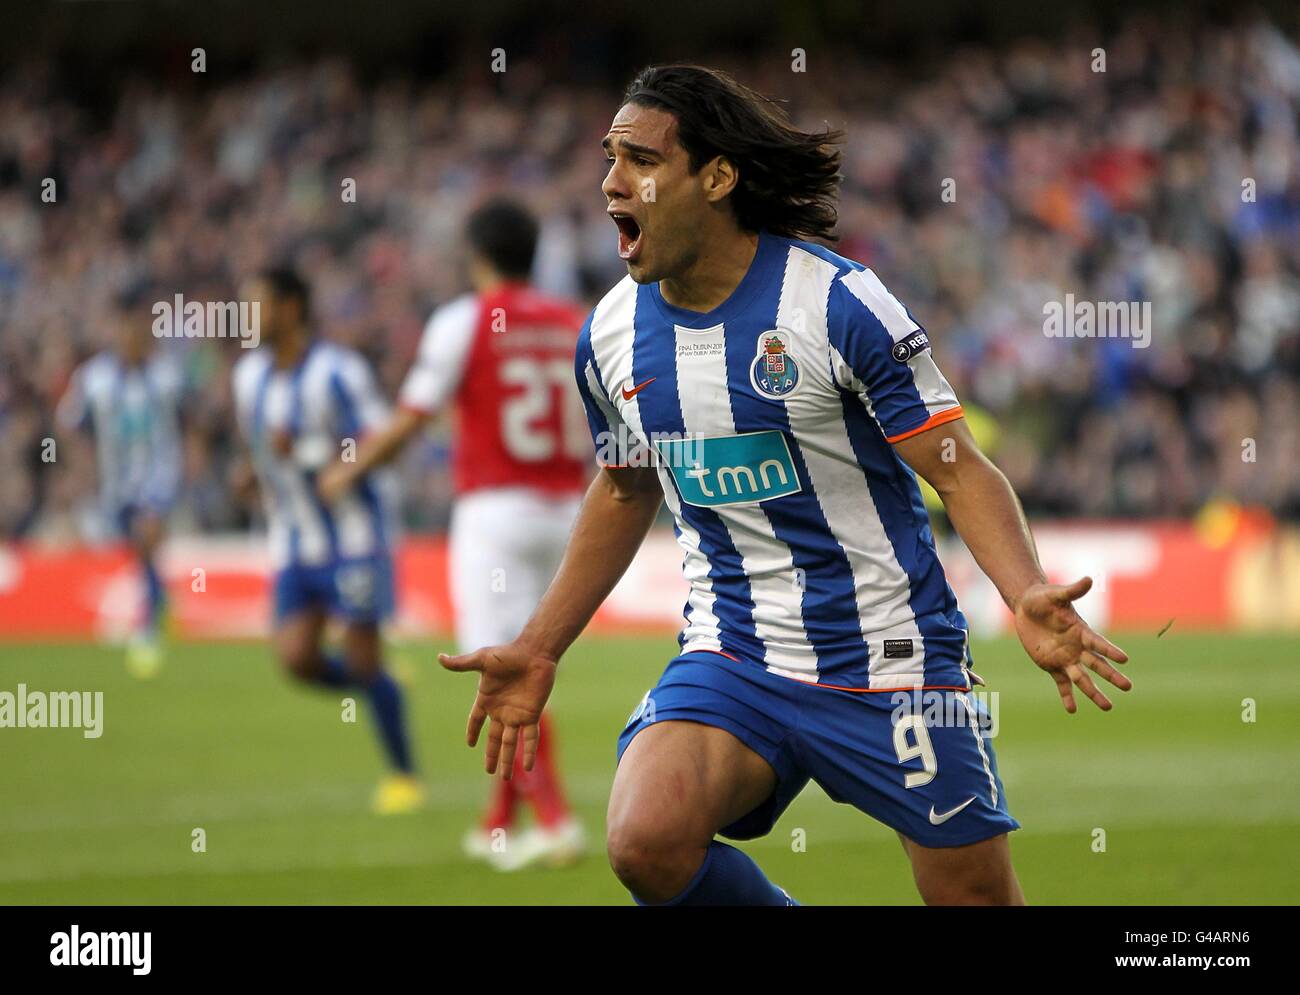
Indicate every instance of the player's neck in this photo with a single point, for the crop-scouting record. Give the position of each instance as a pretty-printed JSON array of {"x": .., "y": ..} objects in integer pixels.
[
  {"x": 488, "y": 284},
  {"x": 715, "y": 274},
  {"x": 290, "y": 347}
]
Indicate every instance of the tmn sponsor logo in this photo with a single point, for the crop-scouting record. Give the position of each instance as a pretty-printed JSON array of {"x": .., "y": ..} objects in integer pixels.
[
  {"x": 732, "y": 469},
  {"x": 182, "y": 319},
  {"x": 1073, "y": 319},
  {"x": 102, "y": 949},
  {"x": 25, "y": 709}
]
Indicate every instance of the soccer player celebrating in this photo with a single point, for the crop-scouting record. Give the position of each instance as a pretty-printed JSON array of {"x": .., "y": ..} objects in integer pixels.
[
  {"x": 502, "y": 356},
  {"x": 129, "y": 399},
  {"x": 301, "y": 400},
  {"x": 786, "y": 399}
]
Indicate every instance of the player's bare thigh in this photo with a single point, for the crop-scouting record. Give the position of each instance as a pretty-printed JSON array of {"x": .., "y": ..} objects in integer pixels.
[
  {"x": 977, "y": 874},
  {"x": 677, "y": 784},
  {"x": 297, "y": 640},
  {"x": 363, "y": 649}
]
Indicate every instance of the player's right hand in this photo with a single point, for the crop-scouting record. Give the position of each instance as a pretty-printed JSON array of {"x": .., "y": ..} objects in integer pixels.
[{"x": 513, "y": 686}]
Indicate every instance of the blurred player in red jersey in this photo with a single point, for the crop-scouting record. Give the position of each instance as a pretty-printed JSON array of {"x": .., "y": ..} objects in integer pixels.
[{"x": 503, "y": 357}]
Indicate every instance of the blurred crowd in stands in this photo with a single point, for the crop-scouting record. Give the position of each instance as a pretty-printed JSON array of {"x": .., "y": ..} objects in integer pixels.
[{"x": 980, "y": 188}]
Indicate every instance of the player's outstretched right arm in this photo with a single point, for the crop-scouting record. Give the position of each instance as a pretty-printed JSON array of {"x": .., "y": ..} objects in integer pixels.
[{"x": 515, "y": 680}]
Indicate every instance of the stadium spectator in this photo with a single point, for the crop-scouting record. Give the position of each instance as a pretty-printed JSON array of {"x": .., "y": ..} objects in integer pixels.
[{"x": 1172, "y": 177}]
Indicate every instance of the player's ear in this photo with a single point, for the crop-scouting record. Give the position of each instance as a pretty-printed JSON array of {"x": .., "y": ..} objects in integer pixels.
[{"x": 720, "y": 178}]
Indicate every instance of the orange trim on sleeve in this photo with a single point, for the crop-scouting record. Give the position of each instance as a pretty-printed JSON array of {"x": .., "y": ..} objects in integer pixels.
[
  {"x": 939, "y": 418},
  {"x": 719, "y": 653}
]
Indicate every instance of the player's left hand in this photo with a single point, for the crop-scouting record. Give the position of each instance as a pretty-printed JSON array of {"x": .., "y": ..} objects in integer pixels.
[
  {"x": 1061, "y": 643},
  {"x": 513, "y": 686}
]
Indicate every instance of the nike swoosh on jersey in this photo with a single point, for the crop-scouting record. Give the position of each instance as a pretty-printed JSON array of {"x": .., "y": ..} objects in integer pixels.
[
  {"x": 629, "y": 394},
  {"x": 938, "y": 820}
]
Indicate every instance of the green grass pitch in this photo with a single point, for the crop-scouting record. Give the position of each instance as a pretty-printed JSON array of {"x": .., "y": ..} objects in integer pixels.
[{"x": 1197, "y": 805}]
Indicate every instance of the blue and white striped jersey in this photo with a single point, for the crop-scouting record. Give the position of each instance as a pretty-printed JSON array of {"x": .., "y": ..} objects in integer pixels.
[
  {"x": 770, "y": 421},
  {"x": 133, "y": 413},
  {"x": 298, "y": 420}
]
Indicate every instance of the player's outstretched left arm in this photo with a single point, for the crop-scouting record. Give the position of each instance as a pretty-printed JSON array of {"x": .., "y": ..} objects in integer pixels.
[{"x": 987, "y": 515}]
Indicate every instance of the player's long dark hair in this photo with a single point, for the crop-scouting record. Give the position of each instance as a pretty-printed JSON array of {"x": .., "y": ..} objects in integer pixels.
[{"x": 789, "y": 178}]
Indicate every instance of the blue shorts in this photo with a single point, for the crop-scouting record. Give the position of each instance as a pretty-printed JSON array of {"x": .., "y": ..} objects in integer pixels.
[
  {"x": 355, "y": 590},
  {"x": 915, "y": 760}
]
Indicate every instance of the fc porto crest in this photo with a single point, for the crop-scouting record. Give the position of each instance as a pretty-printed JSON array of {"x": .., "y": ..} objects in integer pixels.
[{"x": 774, "y": 372}]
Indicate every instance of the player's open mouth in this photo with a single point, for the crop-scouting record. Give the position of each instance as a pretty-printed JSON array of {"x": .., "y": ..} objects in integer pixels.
[{"x": 629, "y": 235}]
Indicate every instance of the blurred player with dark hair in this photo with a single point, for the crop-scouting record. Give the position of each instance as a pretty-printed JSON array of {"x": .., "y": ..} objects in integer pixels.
[
  {"x": 129, "y": 399},
  {"x": 779, "y": 399},
  {"x": 502, "y": 357},
  {"x": 300, "y": 401}
]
